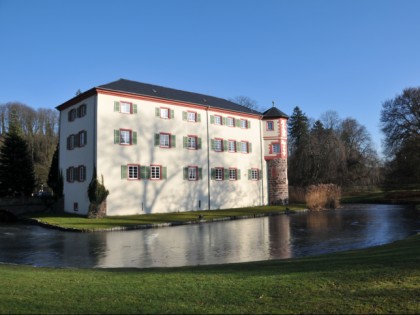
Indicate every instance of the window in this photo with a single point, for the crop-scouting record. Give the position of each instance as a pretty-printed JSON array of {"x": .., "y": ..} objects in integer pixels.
[
  {"x": 192, "y": 173},
  {"x": 125, "y": 137},
  {"x": 155, "y": 172},
  {"x": 270, "y": 125},
  {"x": 217, "y": 120},
  {"x": 71, "y": 142},
  {"x": 231, "y": 122},
  {"x": 244, "y": 146},
  {"x": 164, "y": 141},
  {"x": 72, "y": 114},
  {"x": 81, "y": 110},
  {"x": 82, "y": 138},
  {"x": 218, "y": 173},
  {"x": 192, "y": 142},
  {"x": 254, "y": 174},
  {"x": 191, "y": 116},
  {"x": 218, "y": 145},
  {"x": 232, "y": 146},
  {"x": 276, "y": 148},
  {"x": 133, "y": 172},
  {"x": 70, "y": 174},
  {"x": 82, "y": 173},
  {"x": 125, "y": 108},
  {"x": 243, "y": 123},
  {"x": 232, "y": 174},
  {"x": 164, "y": 113}
]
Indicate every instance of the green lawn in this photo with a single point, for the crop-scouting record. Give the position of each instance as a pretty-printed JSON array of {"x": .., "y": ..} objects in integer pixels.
[
  {"x": 70, "y": 221},
  {"x": 379, "y": 280}
]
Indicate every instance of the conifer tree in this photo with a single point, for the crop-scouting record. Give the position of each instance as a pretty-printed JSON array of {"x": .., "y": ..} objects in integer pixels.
[{"x": 16, "y": 167}]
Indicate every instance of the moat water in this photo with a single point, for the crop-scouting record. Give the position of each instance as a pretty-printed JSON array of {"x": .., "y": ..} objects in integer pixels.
[{"x": 277, "y": 237}]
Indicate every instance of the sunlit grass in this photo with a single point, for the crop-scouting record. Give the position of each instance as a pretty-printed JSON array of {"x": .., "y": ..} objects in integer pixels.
[
  {"x": 379, "y": 280},
  {"x": 71, "y": 221}
]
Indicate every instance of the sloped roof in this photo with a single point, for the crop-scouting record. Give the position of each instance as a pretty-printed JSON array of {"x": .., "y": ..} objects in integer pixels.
[
  {"x": 145, "y": 89},
  {"x": 274, "y": 112}
]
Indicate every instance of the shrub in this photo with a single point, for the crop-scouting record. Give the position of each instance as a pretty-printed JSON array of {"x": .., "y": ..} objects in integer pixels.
[
  {"x": 323, "y": 196},
  {"x": 97, "y": 196}
]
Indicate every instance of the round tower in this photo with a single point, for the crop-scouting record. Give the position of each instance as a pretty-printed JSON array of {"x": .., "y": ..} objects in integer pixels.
[{"x": 275, "y": 155}]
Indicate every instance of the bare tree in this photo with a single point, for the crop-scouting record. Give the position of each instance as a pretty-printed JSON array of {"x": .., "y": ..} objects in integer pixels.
[{"x": 245, "y": 101}]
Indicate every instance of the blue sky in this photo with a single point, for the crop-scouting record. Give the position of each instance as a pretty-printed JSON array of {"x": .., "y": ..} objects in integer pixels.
[{"x": 347, "y": 56}]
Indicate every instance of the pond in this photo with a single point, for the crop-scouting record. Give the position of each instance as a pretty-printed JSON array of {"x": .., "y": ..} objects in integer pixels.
[{"x": 276, "y": 237}]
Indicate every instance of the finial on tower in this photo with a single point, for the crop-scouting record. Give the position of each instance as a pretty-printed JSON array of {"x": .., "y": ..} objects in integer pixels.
[{"x": 273, "y": 103}]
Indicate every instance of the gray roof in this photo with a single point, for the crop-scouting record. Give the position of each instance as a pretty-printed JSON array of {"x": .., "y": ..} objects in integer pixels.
[
  {"x": 274, "y": 112},
  {"x": 145, "y": 89}
]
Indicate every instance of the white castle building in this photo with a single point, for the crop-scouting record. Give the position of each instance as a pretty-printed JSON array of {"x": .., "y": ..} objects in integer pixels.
[{"x": 165, "y": 150}]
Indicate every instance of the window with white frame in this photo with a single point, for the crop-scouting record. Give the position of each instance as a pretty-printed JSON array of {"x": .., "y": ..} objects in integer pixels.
[
  {"x": 164, "y": 112},
  {"x": 218, "y": 173},
  {"x": 133, "y": 172},
  {"x": 155, "y": 172},
  {"x": 125, "y": 107},
  {"x": 72, "y": 114},
  {"x": 232, "y": 174},
  {"x": 82, "y": 173},
  {"x": 276, "y": 148},
  {"x": 71, "y": 142},
  {"x": 232, "y": 146},
  {"x": 192, "y": 173},
  {"x": 125, "y": 136},
  {"x": 230, "y": 122},
  {"x": 243, "y": 123},
  {"x": 244, "y": 146},
  {"x": 192, "y": 116},
  {"x": 217, "y": 120},
  {"x": 270, "y": 125},
  {"x": 81, "y": 110},
  {"x": 192, "y": 142},
  {"x": 70, "y": 174},
  {"x": 218, "y": 145},
  {"x": 82, "y": 138},
  {"x": 164, "y": 140},
  {"x": 254, "y": 174}
]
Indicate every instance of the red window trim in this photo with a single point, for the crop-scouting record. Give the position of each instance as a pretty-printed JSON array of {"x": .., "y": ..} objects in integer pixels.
[
  {"x": 169, "y": 112},
  {"x": 223, "y": 173},
  {"x": 160, "y": 171},
  {"x": 131, "y": 107},
  {"x": 258, "y": 173},
  {"x": 247, "y": 146},
  {"x": 196, "y": 173},
  {"x": 196, "y": 142},
  {"x": 196, "y": 116},
  {"x": 221, "y": 146},
  {"x": 236, "y": 173},
  {"x": 138, "y": 172},
  {"x": 246, "y": 123},
  {"x": 170, "y": 140},
  {"x": 234, "y": 147},
  {"x": 221, "y": 120},
  {"x": 234, "y": 122},
  {"x": 131, "y": 137},
  {"x": 266, "y": 125}
]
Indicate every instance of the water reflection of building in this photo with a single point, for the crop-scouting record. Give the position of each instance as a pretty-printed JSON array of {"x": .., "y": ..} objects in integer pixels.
[{"x": 215, "y": 243}]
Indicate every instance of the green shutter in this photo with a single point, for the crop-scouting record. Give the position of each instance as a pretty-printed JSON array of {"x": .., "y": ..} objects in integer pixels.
[
  {"x": 116, "y": 106},
  {"x": 157, "y": 139},
  {"x": 85, "y": 136},
  {"x": 173, "y": 141},
  {"x": 238, "y": 146},
  {"x": 249, "y": 147},
  {"x": 224, "y": 121},
  {"x": 185, "y": 172},
  {"x": 157, "y": 112},
  {"x": 226, "y": 174},
  {"x": 213, "y": 173},
  {"x": 198, "y": 117},
  {"x": 248, "y": 124},
  {"x": 211, "y": 119},
  {"x": 198, "y": 143},
  {"x": 212, "y": 144},
  {"x": 225, "y": 145},
  {"x": 237, "y": 122},
  {"x": 134, "y": 137},
  {"x": 134, "y": 108},
  {"x": 164, "y": 172},
  {"x": 184, "y": 142},
  {"x": 144, "y": 172},
  {"x": 260, "y": 174},
  {"x": 116, "y": 136},
  {"x": 238, "y": 174},
  {"x": 123, "y": 171},
  {"x": 249, "y": 173},
  {"x": 200, "y": 173},
  {"x": 172, "y": 114},
  {"x": 184, "y": 115}
]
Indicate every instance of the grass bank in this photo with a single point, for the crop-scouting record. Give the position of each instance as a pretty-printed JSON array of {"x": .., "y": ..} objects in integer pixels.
[
  {"x": 379, "y": 280},
  {"x": 80, "y": 223},
  {"x": 393, "y": 196}
]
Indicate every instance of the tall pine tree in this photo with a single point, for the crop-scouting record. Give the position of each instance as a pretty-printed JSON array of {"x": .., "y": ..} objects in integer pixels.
[{"x": 16, "y": 167}]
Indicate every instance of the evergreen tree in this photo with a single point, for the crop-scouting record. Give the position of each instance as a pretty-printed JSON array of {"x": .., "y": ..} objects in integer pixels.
[
  {"x": 55, "y": 176},
  {"x": 16, "y": 167}
]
